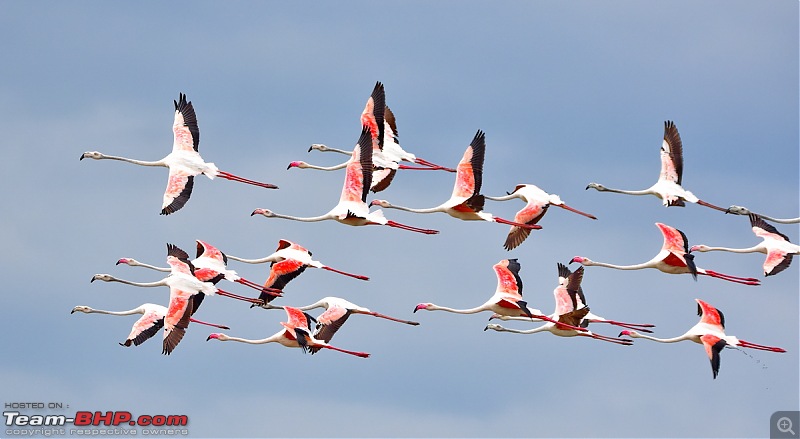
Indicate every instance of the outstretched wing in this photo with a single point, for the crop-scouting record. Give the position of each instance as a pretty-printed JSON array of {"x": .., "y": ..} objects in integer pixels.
[
  {"x": 672, "y": 154},
  {"x": 184, "y": 128}
]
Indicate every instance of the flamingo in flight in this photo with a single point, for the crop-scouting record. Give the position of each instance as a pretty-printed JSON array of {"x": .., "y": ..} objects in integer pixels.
[
  {"x": 337, "y": 311},
  {"x": 352, "y": 209},
  {"x": 674, "y": 258},
  {"x": 210, "y": 266},
  {"x": 668, "y": 187},
  {"x": 296, "y": 334},
  {"x": 507, "y": 299},
  {"x": 288, "y": 262},
  {"x": 147, "y": 326},
  {"x": 466, "y": 202},
  {"x": 537, "y": 202},
  {"x": 580, "y": 302},
  {"x": 386, "y": 151},
  {"x": 710, "y": 332},
  {"x": 568, "y": 312},
  {"x": 183, "y": 287},
  {"x": 739, "y": 210},
  {"x": 184, "y": 162},
  {"x": 775, "y": 245}
]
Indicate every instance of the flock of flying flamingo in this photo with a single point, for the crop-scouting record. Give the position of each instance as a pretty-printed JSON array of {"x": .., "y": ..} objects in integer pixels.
[{"x": 371, "y": 167}]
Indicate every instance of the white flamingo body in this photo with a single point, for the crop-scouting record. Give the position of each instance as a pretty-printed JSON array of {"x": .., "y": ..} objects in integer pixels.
[
  {"x": 668, "y": 187},
  {"x": 710, "y": 332},
  {"x": 774, "y": 244},
  {"x": 674, "y": 258},
  {"x": 184, "y": 162}
]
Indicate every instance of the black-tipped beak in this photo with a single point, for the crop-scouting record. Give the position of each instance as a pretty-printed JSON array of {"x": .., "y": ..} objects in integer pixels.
[
  {"x": 82, "y": 157},
  {"x": 587, "y": 187},
  {"x": 487, "y": 327},
  {"x": 72, "y": 312},
  {"x": 289, "y": 167},
  {"x": 253, "y": 213},
  {"x": 209, "y": 338},
  {"x": 415, "y": 310},
  {"x": 310, "y": 148},
  {"x": 93, "y": 279}
]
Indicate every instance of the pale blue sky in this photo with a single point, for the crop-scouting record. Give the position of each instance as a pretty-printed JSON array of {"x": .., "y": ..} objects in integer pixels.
[{"x": 567, "y": 93}]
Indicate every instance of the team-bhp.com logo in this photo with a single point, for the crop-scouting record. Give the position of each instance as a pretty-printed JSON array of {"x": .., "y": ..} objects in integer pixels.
[{"x": 86, "y": 423}]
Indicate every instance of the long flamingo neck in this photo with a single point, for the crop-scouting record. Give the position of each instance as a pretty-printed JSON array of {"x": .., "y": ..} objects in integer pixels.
[
  {"x": 754, "y": 249},
  {"x": 411, "y": 209},
  {"x": 151, "y": 267},
  {"x": 272, "y": 339},
  {"x": 662, "y": 340},
  {"x": 134, "y": 161},
  {"x": 160, "y": 283},
  {"x": 118, "y": 313},
  {"x": 457, "y": 311},
  {"x": 618, "y": 267},
  {"x": 628, "y": 192},
  {"x": 269, "y": 258},
  {"x": 502, "y": 198},
  {"x": 325, "y": 168}
]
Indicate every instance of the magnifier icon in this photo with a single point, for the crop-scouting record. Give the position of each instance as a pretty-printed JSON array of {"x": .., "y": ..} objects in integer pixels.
[{"x": 784, "y": 425}]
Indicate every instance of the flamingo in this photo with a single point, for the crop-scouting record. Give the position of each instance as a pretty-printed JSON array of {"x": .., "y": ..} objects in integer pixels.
[
  {"x": 739, "y": 210},
  {"x": 386, "y": 150},
  {"x": 710, "y": 332},
  {"x": 580, "y": 302},
  {"x": 674, "y": 258},
  {"x": 466, "y": 202},
  {"x": 183, "y": 286},
  {"x": 296, "y": 334},
  {"x": 210, "y": 266},
  {"x": 668, "y": 187},
  {"x": 507, "y": 299},
  {"x": 184, "y": 162},
  {"x": 775, "y": 245},
  {"x": 352, "y": 209},
  {"x": 290, "y": 250},
  {"x": 537, "y": 202},
  {"x": 148, "y": 325},
  {"x": 568, "y": 312}
]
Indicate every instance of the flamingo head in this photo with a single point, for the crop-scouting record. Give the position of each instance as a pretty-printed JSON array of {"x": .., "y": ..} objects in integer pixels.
[
  {"x": 581, "y": 260},
  {"x": 217, "y": 336},
  {"x": 425, "y": 306},
  {"x": 629, "y": 333},
  {"x": 699, "y": 248},
  {"x": 297, "y": 164},
  {"x": 266, "y": 212},
  {"x": 128, "y": 261},
  {"x": 493, "y": 326},
  {"x": 81, "y": 308},
  {"x": 737, "y": 210},
  {"x": 102, "y": 277},
  {"x": 597, "y": 186},
  {"x": 381, "y": 203},
  {"x": 318, "y": 147},
  {"x": 91, "y": 155}
]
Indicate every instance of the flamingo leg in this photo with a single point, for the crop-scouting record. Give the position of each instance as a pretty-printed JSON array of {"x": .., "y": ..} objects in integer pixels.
[
  {"x": 271, "y": 291},
  {"x": 229, "y": 176},
  {"x": 736, "y": 279},
  {"x": 747, "y": 344},
  {"x": 208, "y": 324},
  {"x": 622, "y": 341},
  {"x": 703, "y": 203},
  {"x": 427, "y": 168},
  {"x": 641, "y": 327},
  {"x": 238, "y": 297},
  {"x": 357, "y": 276},
  {"x": 512, "y": 223},
  {"x": 424, "y": 162},
  {"x": 407, "y": 322},
  {"x": 572, "y": 209},
  {"x": 410, "y": 228},
  {"x": 357, "y": 354}
]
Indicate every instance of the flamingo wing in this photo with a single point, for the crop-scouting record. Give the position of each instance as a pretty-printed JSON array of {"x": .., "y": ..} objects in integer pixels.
[
  {"x": 184, "y": 128},
  {"x": 358, "y": 177},
  {"x": 283, "y": 272},
  {"x": 765, "y": 230},
  {"x": 508, "y": 279},
  {"x": 373, "y": 115},
  {"x": 574, "y": 317},
  {"x": 178, "y": 259},
  {"x": 146, "y": 327},
  {"x": 469, "y": 173},
  {"x": 179, "y": 189},
  {"x": 777, "y": 261},
  {"x": 297, "y": 319},
  {"x": 335, "y": 320},
  {"x": 710, "y": 315},
  {"x": 177, "y": 320},
  {"x": 713, "y": 346},
  {"x": 672, "y": 154}
]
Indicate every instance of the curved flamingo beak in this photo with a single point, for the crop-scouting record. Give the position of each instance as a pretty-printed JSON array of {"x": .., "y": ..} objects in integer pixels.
[
  {"x": 257, "y": 212},
  {"x": 625, "y": 332},
  {"x": 292, "y": 165},
  {"x": 421, "y": 306},
  {"x": 215, "y": 335},
  {"x": 122, "y": 261}
]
